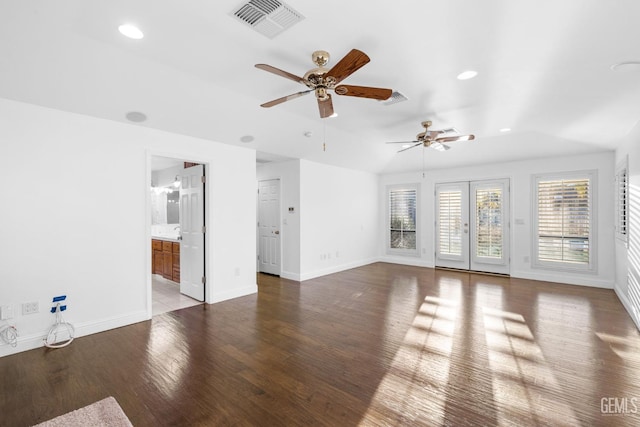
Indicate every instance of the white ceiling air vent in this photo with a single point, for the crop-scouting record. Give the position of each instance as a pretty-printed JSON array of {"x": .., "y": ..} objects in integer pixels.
[
  {"x": 394, "y": 98},
  {"x": 268, "y": 17}
]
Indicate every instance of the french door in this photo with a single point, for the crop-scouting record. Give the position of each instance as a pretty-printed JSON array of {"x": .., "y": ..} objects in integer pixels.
[{"x": 472, "y": 225}]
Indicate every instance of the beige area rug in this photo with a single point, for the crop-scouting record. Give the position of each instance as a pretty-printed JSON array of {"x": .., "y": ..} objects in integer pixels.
[{"x": 105, "y": 412}]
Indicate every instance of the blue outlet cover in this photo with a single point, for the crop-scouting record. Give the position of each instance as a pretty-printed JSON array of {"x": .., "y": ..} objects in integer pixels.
[{"x": 60, "y": 298}]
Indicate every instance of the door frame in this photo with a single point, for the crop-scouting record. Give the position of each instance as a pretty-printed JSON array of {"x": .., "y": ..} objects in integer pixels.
[
  {"x": 506, "y": 181},
  {"x": 184, "y": 157}
]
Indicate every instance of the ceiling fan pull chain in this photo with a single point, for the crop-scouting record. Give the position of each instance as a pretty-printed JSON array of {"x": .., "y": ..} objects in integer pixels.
[{"x": 324, "y": 137}]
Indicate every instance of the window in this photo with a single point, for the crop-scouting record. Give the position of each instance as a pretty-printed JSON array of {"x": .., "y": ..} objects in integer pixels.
[
  {"x": 403, "y": 228},
  {"x": 622, "y": 194},
  {"x": 564, "y": 221}
]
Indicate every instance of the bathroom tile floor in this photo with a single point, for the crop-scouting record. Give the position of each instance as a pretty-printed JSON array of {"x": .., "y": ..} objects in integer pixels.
[{"x": 166, "y": 296}]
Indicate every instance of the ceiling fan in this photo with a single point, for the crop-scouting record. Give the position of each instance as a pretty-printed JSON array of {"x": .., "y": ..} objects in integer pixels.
[
  {"x": 435, "y": 139},
  {"x": 320, "y": 80}
]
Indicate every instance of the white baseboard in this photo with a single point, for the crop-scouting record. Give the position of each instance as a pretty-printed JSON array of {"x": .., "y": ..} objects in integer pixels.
[
  {"x": 413, "y": 261},
  {"x": 233, "y": 293},
  {"x": 626, "y": 304},
  {"x": 36, "y": 340},
  {"x": 548, "y": 276},
  {"x": 290, "y": 276},
  {"x": 336, "y": 269}
]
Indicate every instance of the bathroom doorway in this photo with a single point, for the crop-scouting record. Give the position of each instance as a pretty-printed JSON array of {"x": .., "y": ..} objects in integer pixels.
[{"x": 177, "y": 199}]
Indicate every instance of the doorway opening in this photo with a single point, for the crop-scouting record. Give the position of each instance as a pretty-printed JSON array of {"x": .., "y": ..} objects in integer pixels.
[
  {"x": 177, "y": 199},
  {"x": 472, "y": 226}
]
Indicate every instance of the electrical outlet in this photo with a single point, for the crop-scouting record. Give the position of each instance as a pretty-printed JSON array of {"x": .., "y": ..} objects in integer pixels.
[
  {"x": 6, "y": 312},
  {"x": 30, "y": 307}
]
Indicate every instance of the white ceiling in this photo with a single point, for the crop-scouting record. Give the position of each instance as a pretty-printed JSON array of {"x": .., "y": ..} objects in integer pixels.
[{"x": 544, "y": 71}]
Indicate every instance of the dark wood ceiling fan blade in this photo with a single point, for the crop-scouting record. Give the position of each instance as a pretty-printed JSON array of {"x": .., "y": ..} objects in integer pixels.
[
  {"x": 364, "y": 92},
  {"x": 280, "y": 72},
  {"x": 456, "y": 138},
  {"x": 409, "y": 148},
  {"x": 402, "y": 142},
  {"x": 285, "y": 99},
  {"x": 352, "y": 62},
  {"x": 326, "y": 107}
]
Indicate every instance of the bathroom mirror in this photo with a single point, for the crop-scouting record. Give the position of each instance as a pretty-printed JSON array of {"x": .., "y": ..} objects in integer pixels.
[
  {"x": 165, "y": 205},
  {"x": 173, "y": 207}
]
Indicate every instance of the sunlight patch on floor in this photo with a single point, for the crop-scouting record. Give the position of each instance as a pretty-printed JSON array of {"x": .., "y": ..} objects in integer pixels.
[
  {"x": 627, "y": 348},
  {"x": 524, "y": 386},
  {"x": 414, "y": 388}
]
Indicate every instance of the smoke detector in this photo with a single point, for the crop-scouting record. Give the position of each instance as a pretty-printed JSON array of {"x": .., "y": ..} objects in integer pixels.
[{"x": 268, "y": 17}]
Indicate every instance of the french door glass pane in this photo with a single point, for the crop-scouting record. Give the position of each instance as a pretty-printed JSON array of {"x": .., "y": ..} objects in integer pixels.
[
  {"x": 450, "y": 222},
  {"x": 489, "y": 227}
]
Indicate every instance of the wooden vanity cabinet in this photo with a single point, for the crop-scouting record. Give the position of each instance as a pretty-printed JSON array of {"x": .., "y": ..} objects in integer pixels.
[
  {"x": 156, "y": 258},
  {"x": 175, "y": 272},
  {"x": 166, "y": 259}
]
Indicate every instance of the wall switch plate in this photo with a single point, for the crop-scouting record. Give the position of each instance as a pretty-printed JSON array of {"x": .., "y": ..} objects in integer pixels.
[{"x": 30, "y": 307}]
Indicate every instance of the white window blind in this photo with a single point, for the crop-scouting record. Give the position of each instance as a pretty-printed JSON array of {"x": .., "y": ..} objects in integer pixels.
[
  {"x": 489, "y": 222},
  {"x": 450, "y": 222},
  {"x": 402, "y": 218},
  {"x": 622, "y": 194},
  {"x": 564, "y": 221}
]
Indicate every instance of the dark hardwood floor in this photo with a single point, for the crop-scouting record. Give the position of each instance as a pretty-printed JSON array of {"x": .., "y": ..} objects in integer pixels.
[{"x": 380, "y": 345}]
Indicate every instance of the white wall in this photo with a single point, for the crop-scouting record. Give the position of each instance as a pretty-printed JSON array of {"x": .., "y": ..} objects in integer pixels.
[
  {"x": 520, "y": 175},
  {"x": 289, "y": 175},
  {"x": 628, "y": 254},
  {"x": 76, "y": 217},
  {"x": 339, "y": 219}
]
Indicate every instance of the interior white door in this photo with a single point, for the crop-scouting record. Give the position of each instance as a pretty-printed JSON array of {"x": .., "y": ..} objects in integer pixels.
[
  {"x": 472, "y": 226},
  {"x": 452, "y": 225},
  {"x": 269, "y": 226},
  {"x": 192, "y": 231}
]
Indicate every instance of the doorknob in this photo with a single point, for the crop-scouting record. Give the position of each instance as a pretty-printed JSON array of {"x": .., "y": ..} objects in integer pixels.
[{"x": 277, "y": 231}]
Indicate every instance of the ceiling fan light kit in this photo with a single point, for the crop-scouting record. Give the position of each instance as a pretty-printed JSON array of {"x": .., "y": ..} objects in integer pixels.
[{"x": 321, "y": 81}]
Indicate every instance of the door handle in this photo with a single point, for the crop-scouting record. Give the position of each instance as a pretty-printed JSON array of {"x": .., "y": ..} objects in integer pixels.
[{"x": 277, "y": 231}]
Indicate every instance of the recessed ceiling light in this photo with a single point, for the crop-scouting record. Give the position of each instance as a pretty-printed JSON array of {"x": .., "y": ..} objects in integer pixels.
[
  {"x": 247, "y": 138},
  {"x": 136, "y": 116},
  {"x": 505, "y": 130},
  {"x": 466, "y": 75},
  {"x": 130, "y": 31},
  {"x": 626, "y": 66}
]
